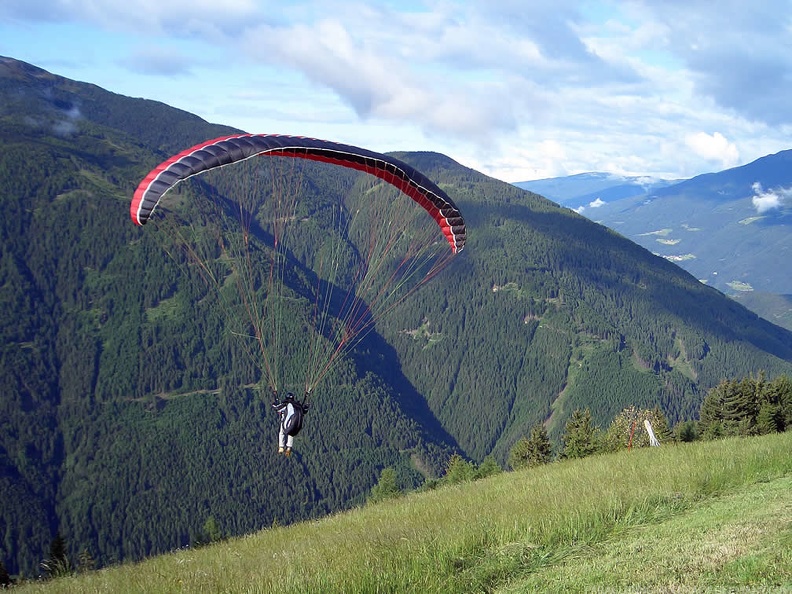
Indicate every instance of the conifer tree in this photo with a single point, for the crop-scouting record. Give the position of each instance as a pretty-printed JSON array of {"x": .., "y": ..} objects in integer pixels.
[
  {"x": 686, "y": 431},
  {"x": 57, "y": 564},
  {"x": 85, "y": 561},
  {"x": 532, "y": 451},
  {"x": 782, "y": 386},
  {"x": 458, "y": 470},
  {"x": 749, "y": 406},
  {"x": 518, "y": 455},
  {"x": 711, "y": 415},
  {"x": 488, "y": 467},
  {"x": 581, "y": 437},
  {"x": 386, "y": 487},
  {"x": 211, "y": 530},
  {"x": 768, "y": 419}
]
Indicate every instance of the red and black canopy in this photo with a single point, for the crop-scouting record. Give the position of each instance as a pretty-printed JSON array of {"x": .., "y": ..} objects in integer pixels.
[{"x": 230, "y": 149}]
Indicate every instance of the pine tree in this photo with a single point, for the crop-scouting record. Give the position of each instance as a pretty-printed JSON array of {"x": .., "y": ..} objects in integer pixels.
[
  {"x": 85, "y": 561},
  {"x": 775, "y": 406},
  {"x": 386, "y": 487},
  {"x": 488, "y": 467},
  {"x": 686, "y": 431},
  {"x": 58, "y": 549},
  {"x": 581, "y": 437},
  {"x": 541, "y": 451},
  {"x": 57, "y": 564},
  {"x": 458, "y": 470},
  {"x": 768, "y": 419},
  {"x": 742, "y": 405},
  {"x": 211, "y": 531},
  {"x": 711, "y": 415},
  {"x": 747, "y": 407},
  {"x": 518, "y": 455},
  {"x": 782, "y": 386},
  {"x": 532, "y": 451}
]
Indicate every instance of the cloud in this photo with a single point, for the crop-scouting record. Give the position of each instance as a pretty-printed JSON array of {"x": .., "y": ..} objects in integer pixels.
[
  {"x": 145, "y": 16},
  {"x": 67, "y": 126},
  {"x": 519, "y": 90},
  {"x": 593, "y": 204},
  {"x": 737, "y": 52},
  {"x": 378, "y": 82},
  {"x": 764, "y": 201},
  {"x": 714, "y": 147}
]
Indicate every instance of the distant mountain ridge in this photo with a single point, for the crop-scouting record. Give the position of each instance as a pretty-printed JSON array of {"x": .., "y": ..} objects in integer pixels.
[
  {"x": 576, "y": 191},
  {"x": 731, "y": 229}
]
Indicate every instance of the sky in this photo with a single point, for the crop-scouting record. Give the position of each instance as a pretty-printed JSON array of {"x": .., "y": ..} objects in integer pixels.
[{"x": 516, "y": 89}]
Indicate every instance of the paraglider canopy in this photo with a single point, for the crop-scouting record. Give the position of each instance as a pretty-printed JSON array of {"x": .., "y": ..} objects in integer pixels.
[
  {"x": 376, "y": 258},
  {"x": 230, "y": 149}
]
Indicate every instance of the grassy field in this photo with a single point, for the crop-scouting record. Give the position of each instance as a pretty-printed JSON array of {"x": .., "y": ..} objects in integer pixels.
[{"x": 702, "y": 517}]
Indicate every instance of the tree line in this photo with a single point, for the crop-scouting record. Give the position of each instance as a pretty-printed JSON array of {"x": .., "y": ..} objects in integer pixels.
[{"x": 746, "y": 407}]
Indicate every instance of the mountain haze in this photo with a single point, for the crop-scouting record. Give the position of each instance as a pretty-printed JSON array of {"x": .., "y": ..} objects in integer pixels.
[
  {"x": 583, "y": 189},
  {"x": 131, "y": 416}
]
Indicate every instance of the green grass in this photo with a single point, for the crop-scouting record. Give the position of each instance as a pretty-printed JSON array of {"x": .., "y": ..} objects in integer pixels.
[
  {"x": 737, "y": 542},
  {"x": 699, "y": 517}
]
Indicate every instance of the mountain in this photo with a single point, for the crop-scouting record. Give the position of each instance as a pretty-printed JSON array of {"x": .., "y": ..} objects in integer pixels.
[
  {"x": 586, "y": 189},
  {"x": 776, "y": 308},
  {"x": 730, "y": 229},
  {"x": 131, "y": 415}
]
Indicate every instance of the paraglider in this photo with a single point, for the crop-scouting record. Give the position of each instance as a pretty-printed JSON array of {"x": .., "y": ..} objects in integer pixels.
[
  {"x": 230, "y": 149},
  {"x": 348, "y": 260},
  {"x": 290, "y": 416}
]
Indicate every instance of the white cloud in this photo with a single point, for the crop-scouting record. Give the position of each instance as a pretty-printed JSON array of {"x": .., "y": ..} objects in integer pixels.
[
  {"x": 380, "y": 86},
  {"x": 737, "y": 53},
  {"x": 764, "y": 201},
  {"x": 593, "y": 204},
  {"x": 714, "y": 147},
  {"x": 519, "y": 90}
]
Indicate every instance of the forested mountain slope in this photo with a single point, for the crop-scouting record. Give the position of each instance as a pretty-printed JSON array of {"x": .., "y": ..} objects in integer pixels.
[
  {"x": 552, "y": 313},
  {"x": 730, "y": 229},
  {"x": 129, "y": 415}
]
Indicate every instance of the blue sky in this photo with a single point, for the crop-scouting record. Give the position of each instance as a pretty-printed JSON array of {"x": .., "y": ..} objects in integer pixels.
[{"x": 517, "y": 90}]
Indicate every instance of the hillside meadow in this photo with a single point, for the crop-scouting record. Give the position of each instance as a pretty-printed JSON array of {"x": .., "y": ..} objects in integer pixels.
[{"x": 705, "y": 516}]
